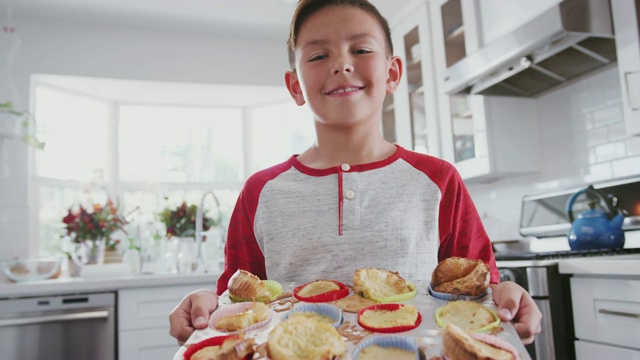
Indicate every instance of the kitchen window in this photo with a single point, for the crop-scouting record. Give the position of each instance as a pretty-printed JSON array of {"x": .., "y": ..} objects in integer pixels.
[{"x": 151, "y": 155}]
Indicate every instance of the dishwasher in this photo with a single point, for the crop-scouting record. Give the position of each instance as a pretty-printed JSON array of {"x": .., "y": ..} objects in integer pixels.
[{"x": 69, "y": 327}]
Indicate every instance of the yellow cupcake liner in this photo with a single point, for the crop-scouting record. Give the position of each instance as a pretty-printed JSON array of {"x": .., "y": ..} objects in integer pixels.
[
  {"x": 274, "y": 287},
  {"x": 400, "y": 297},
  {"x": 441, "y": 323}
]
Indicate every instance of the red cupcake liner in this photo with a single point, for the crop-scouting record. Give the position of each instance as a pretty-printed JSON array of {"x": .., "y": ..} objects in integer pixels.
[
  {"x": 214, "y": 341},
  {"x": 343, "y": 291},
  {"x": 392, "y": 329}
]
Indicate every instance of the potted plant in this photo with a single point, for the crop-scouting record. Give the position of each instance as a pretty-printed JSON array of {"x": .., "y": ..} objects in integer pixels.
[{"x": 92, "y": 228}]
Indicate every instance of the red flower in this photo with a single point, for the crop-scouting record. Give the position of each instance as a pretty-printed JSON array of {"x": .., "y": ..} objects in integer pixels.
[{"x": 100, "y": 223}]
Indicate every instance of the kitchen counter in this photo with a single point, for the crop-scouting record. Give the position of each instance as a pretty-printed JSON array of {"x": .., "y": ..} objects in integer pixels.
[
  {"x": 621, "y": 265},
  {"x": 67, "y": 285}
]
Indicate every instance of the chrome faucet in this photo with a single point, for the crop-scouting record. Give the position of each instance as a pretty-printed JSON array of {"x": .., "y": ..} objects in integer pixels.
[{"x": 200, "y": 263}]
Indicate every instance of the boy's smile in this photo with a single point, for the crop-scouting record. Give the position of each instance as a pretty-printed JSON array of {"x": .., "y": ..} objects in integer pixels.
[{"x": 343, "y": 69}]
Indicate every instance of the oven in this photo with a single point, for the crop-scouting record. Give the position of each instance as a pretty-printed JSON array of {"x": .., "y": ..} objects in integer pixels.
[
  {"x": 544, "y": 221},
  {"x": 551, "y": 292},
  {"x": 538, "y": 274},
  {"x": 70, "y": 327}
]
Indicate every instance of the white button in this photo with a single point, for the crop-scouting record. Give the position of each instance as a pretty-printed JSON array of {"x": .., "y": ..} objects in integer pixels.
[
  {"x": 345, "y": 167},
  {"x": 349, "y": 194}
]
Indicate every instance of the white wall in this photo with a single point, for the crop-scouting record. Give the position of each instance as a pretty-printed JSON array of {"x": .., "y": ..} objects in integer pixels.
[
  {"x": 63, "y": 47},
  {"x": 582, "y": 140}
]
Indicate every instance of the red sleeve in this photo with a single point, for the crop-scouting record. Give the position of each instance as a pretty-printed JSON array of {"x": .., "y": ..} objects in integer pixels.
[
  {"x": 241, "y": 250},
  {"x": 461, "y": 231}
]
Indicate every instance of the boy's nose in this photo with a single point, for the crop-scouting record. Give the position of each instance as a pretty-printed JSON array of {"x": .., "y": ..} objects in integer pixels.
[{"x": 342, "y": 67}]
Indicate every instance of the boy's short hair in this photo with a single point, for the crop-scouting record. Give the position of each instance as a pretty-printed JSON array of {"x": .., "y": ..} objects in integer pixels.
[{"x": 306, "y": 8}]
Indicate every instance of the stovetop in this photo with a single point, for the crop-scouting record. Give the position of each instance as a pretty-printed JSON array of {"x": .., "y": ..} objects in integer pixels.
[{"x": 564, "y": 254}]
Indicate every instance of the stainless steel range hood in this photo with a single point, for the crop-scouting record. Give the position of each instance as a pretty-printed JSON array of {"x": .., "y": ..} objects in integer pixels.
[{"x": 572, "y": 39}]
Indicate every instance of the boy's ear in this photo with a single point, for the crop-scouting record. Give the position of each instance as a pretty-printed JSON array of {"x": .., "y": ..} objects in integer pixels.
[
  {"x": 395, "y": 74},
  {"x": 293, "y": 85}
]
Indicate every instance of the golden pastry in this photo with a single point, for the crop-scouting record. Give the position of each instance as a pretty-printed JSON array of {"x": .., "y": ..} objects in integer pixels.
[
  {"x": 256, "y": 313},
  {"x": 244, "y": 284},
  {"x": 458, "y": 345},
  {"x": 305, "y": 338},
  {"x": 378, "y": 284},
  {"x": 461, "y": 276},
  {"x": 318, "y": 287},
  {"x": 406, "y": 315},
  {"x": 467, "y": 315}
]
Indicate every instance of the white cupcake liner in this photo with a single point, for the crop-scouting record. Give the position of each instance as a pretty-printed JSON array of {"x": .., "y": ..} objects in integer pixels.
[
  {"x": 329, "y": 310},
  {"x": 400, "y": 342},
  {"x": 236, "y": 309}
]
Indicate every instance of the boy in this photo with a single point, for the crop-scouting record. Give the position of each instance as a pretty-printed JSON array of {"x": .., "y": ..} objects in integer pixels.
[{"x": 352, "y": 199}]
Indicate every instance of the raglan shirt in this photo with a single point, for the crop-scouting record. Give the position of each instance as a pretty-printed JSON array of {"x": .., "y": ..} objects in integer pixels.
[{"x": 296, "y": 224}]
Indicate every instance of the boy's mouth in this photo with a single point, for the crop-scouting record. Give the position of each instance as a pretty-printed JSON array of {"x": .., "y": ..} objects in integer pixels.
[{"x": 343, "y": 90}]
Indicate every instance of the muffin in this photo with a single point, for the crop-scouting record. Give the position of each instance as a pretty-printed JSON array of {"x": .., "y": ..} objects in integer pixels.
[
  {"x": 244, "y": 284},
  {"x": 461, "y": 276},
  {"x": 377, "y": 352},
  {"x": 378, "y": 284},
  {"x": 254, "y": 314},
  {"x": 458, "y": 345},
  {"x": 318, "y": 287},
  {"x": 232, "y": 348},
  {"x": 403, "y": 315},
  {"x": 468, "y": 315},
  {"x": 304, "y": 338}
]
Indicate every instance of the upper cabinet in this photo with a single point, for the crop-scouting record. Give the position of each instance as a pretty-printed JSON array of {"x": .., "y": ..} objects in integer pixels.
[
  {"x": 626, "y": 15},
  {"x": 414, "y": 104},
  {"x": 484, "y": 137}
]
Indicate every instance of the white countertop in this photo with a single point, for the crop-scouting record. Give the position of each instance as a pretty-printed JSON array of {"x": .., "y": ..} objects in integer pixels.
[
  {"x": 620, "y": 265},
  {"x": 67, "y": 285}
]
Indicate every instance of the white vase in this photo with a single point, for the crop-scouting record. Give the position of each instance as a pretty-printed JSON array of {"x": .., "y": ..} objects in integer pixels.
[
  {"x": 186, "y": 253},
  {"x": 93, "y": 251}
]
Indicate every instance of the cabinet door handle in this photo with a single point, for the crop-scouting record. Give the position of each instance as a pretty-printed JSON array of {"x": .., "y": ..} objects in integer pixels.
[{"x": 618, "y": 313}]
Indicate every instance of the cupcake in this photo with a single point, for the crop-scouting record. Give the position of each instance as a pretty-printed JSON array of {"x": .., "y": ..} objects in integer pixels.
[
  {"x": 458, "y": 345},
  {"x": 381, "y": 285},
  {"x": 304, "y": 338},
  {"x": 468, "y": 315}
]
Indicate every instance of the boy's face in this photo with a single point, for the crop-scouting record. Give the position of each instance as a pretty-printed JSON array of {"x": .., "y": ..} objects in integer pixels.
[{"x": 342, "y": 67}]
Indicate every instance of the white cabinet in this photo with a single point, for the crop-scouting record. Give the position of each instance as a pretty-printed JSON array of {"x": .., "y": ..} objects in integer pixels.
[
  {"x": 414, "y": 102},
  {"x": 143, "y": 321},
  {"x": 484, "y": 137},
  {"x": 626, "y": 23},
  {"x": 606, "y": 313}
]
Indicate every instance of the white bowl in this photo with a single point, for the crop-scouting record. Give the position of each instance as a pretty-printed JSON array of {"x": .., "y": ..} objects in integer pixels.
[{"x": 23, "y": 270}]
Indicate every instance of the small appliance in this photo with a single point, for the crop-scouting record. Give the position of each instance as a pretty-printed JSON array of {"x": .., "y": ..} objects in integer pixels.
[{"x": 595, "y": 228}]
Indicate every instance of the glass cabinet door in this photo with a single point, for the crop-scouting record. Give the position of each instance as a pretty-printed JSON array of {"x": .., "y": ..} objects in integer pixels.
[
  {"x": 453, "y": 32},
  {"x": 415, "y": 99},
  {"x": 462, "y": 129}
]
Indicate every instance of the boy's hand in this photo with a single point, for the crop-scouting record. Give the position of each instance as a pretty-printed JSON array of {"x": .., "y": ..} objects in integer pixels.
[
  {"x": 192, "y": 313},
  {"x": 515, "y": 303}
]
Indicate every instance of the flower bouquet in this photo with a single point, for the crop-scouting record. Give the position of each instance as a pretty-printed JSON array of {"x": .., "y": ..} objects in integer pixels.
[
  {"x": 92, "y": 228},
  {"x": 181, "y": 221}
]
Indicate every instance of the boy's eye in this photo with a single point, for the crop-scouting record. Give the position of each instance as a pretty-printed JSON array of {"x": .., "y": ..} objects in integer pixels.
[
  {"x": 317, "y": 57},
  {"x": 361, "y": 51}
]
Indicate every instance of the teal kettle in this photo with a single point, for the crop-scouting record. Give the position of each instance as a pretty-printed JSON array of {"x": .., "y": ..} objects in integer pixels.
[{"x": 595, "y": 228}]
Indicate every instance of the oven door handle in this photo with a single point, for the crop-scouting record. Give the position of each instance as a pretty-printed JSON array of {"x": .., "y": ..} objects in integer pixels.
[
  {"x": 619, "y": 313},
  {"x": 88, "y": 315}
]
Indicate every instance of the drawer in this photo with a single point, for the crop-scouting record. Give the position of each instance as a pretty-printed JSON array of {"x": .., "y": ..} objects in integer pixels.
[
  {"x": 590, "y": 351},
  {"x": 607, "y": 310},
  {"x": 146, "y": 344},
  {"x": 145, "y": 308}
]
